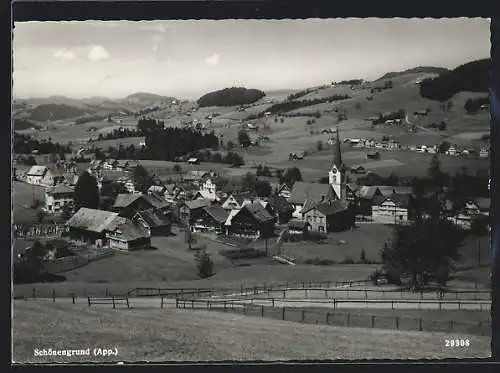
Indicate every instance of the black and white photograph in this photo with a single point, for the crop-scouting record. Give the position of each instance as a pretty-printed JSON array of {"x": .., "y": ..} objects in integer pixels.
[{"x": 242, "y": 190}]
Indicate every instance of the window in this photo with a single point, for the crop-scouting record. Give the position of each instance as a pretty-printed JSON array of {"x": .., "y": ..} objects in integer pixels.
[{"x": 321, "y": 228}]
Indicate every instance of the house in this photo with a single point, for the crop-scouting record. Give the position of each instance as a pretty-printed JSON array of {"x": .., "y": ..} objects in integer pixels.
[
  {"x": 284, "y": 191},
  {"x": 484, "y": 153},
  {"x": 196, "y": 177},
  {"x": 330, "y": 216},
  {"x": 174, "y": 193},
  {"x": 367, "y": 196},
  {"x": 109, "y": 164},
  {"x": 158, "y": 189},
  {"x": 358, "y": 169},
  {"x": 351, "y": 193},
  {"x": 89, "y": 225},
  {"x": 193, "y": 161},
  {"x": 127, "y": 205},
  {"x": 298, "y": 228},
  {"x": 207, "y": 191},
  {"x": 252, "y": 221},
  {"x": 462, "y": 221},
  {"x": 303, "y": 191},
  {"x": 58, "y": 197},
  {"x": 235, "y": 201},
  {"x": 37, "y": 175},
  {"x": 124, "y": 234},
  {"x": 211, "y": 219},
  {"x": 451, "y": 151},
  {"x": 189, "y": 211},
  {"x": 156, "y": 222},
  {"x": 392, "y": 210}
]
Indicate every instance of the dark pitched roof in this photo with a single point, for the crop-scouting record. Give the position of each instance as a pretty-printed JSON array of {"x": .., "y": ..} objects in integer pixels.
[
  {"x": 125, "y": 199},
  {"x": 154, "y": 218},
  {"x": 258, "y": 212},
  {"x": 155, "y": 200},
  {"x": 91, "y": 220},
  {"x": 400, "y": 200},
  {"x": 130, "y": 231},
  {"x": 217, "y": 212},
  {"x": 60, "y": 189},
  {"x": 329, "y": 208},
  {"x": 302, "y": 191},
  {"x": 197, "y": 203}
]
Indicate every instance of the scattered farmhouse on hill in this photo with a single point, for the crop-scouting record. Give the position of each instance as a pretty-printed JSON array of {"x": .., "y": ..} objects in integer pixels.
[{"x": 58, "y": 197}]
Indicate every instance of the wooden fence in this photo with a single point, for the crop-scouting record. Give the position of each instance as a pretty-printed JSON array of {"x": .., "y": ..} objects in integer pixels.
[
  {"x": 345, "y": 319},
  {"x": 116, "y": 301}
]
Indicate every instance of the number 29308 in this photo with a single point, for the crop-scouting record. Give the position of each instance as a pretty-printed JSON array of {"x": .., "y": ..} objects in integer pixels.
[{"x": 457, "y": 342}]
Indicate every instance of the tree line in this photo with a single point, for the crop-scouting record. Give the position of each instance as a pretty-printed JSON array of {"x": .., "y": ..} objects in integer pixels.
[
  {"x": 473, "y": 105},
  {"x": 24, "y": 144},
  {"x": 230, "y": 97},
  {"x": 283, "y": 107}
]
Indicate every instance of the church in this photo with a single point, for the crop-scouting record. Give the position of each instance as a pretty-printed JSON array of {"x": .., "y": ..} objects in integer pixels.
[{"x": 326, "y": 207}]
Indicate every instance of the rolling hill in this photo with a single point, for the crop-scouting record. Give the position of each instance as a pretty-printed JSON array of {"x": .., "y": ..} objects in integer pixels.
[
  {"x": 56, "y": 112},
  {"x": 415, "y": 70},
  {"x": 22, "y": 124}
]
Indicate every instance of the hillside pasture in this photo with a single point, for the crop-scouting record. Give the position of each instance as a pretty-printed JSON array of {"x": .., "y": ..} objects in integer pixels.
[
  {"x": 198, "y": 335},
  {"x": 126, "y": 141}
]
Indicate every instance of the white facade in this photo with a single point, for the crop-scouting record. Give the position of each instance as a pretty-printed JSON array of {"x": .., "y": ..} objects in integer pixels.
[
  {"x": 55, "y": 202},
  {"x": 389, "y": 213},
  {"x": 337, "y": 180}
]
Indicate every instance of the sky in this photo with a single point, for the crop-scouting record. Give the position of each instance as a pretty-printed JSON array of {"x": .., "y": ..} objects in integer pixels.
[{"x": 188, "y": 58}]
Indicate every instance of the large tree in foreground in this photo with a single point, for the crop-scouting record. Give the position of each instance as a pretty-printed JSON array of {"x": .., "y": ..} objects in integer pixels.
[
  {"x": 86, "y": 192},
  {"x": 423, "y": 249}
]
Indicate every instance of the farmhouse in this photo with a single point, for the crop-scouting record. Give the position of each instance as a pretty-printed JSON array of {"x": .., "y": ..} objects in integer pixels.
[
  {"x": 156, "y": 222},
  {"x": 156, "y": 189},
  {"x": 191, "y": 210},
  {"x": 367, "y": 196},
  {"x": 58, "y": 197},
  {"x": 109, "y": 164},
  {"x": 124, "y": 234},
  {"x": 252, "y": 221},
  {"x": 127, "y": 205},
  {"x": 392, "y": 210},
  {"x": 42, "y": 175},
  {"x": 173, "y": 193},
  {"x": 331, "y": 216},
  {"x": 211, "y": 219},
  {"x": 196, "y": 177},
  {"x": 303, "y": 191},
  {"x": 235, "y": 201},
  {"x": 284, "y": 191},
  {"x": 193, "y": 161},
  {"x": 89, "y": 225}
]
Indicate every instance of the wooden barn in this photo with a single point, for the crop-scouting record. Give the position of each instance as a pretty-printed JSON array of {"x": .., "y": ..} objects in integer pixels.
[
  {"x": 211, "y": 219},
  {"x": 89, "y": 225},
  {"x": 252, "y": 220},
  {"x": 156, "y": 222}
]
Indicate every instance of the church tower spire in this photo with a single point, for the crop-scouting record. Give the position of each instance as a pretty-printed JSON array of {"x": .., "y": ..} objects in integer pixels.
[{"x": 336, "y": 176}]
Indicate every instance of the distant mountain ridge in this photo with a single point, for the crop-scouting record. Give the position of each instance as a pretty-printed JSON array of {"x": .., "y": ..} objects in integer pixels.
[{"x": 415, "y": 70}]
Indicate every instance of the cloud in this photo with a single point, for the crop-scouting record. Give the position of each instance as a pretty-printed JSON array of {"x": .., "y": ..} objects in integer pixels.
[
  {"x": 64, "y": 55},
  {"x": 212, "y": 60},
  {"x": 98, "y": 53}
]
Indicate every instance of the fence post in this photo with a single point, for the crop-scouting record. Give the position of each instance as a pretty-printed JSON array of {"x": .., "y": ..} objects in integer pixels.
[
  {"x": 128, "y": 304},
  {"x": 54, "y": 295},
  {"x": 34, "y": 293},
  {"x": 283, "y": 314},
  {"x": 209, "y": 305},
  {"x": 262, "y": 311},
  {"x": 73, "y": 296},
  {"x": 420, "y": 325},
  {"x": 303, "y": 316},
  {"x": 373, "y": 321},
  {"x": 176, "y": 302},
  {"x": 397, "y": 322},
  {"x": 459, "y": 305},
  {"x": 255, "y": 289},
  {"x": 334, "y": 304},
  {"x": 348, "y": 319},
  {"x": 366, "y": 294},
  {"x": 327, "y": 318},
  {"x": 113, "y": 299},
  {"x": 303, "y": 285},
  {"x": 284, "y": 293},
  {"x": 272, "y": 301},
  {"x": 89, "y": 301},
  {"x": 392, "y": 305}
]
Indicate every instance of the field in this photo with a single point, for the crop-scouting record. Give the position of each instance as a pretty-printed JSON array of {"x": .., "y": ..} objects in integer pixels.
[{"x": 191, "y": 335}]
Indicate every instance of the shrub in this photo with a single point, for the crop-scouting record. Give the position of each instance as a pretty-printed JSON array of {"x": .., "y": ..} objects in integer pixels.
[
  {"x": 204, "y": 264},
  {"x": 319, "y": 261},
  {"x": 347, "y": 261}
]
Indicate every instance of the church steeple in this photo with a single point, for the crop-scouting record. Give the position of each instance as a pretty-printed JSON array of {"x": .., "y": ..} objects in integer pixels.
[{"x": 336, "y": 176}]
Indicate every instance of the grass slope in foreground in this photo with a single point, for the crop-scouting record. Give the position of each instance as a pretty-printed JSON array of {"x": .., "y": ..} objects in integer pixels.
[{"x": 175, "y": 335}]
